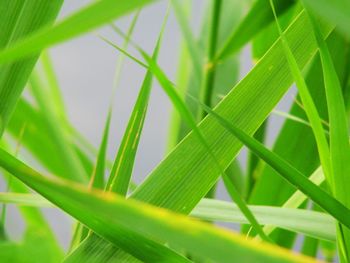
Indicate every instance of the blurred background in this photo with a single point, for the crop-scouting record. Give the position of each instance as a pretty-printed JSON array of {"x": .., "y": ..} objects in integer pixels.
[{"x": 85, "y": 68}]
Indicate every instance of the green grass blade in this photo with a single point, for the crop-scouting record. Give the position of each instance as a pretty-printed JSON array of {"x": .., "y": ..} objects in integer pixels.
[
  {"x": 19, "y": 19},
  {"x": 24, "y": 199},
  {"x": 315, "y": 224},
  {"x": 121, "y": 172},
  {"x": 292, "y": 175},
  {"x": 84, "y": 20},
  {"x": 108, "y": 213},
  {"x": 97, "y": 178},
  {"x": 206, "y": 92},
  {"x": 298, "y": 197},
  {"x": 310, "y": 108}
]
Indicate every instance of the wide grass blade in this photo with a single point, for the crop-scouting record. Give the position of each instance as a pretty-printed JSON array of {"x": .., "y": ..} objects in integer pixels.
[{"x": 108, "y": 213}]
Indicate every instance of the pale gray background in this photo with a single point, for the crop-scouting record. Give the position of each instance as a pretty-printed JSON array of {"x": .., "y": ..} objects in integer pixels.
[{"x": 85, "y": 67}]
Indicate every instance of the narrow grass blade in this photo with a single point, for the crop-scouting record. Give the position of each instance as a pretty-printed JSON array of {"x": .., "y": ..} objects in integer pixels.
[
  {"x": 292, "y": 175},
  {"x": 310, "y": 108},
  {"x": 121, "y": 172},
  {"x": 97, "y": 178},
  {"x": 108, "y": 214}
]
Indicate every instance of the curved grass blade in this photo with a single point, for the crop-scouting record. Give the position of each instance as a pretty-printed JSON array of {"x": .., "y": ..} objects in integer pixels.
[{"x": 108, "y": 214}]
